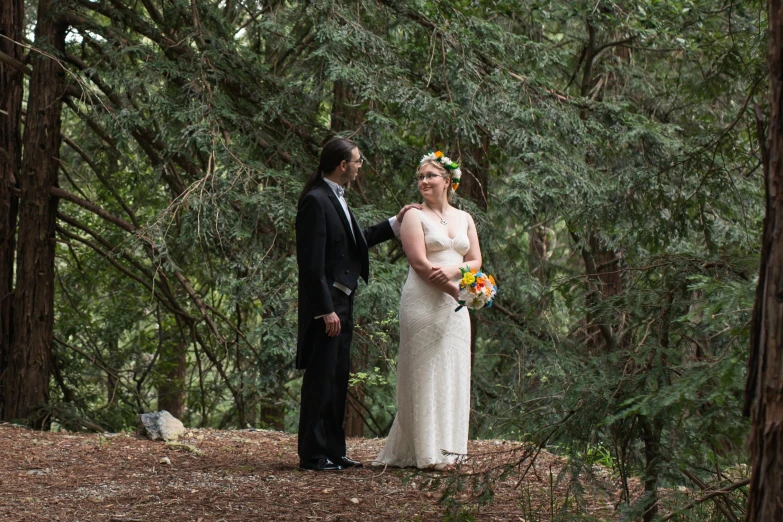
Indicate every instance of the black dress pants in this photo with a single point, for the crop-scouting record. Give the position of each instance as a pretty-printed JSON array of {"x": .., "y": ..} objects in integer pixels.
[{"x": 325, "y": 386}]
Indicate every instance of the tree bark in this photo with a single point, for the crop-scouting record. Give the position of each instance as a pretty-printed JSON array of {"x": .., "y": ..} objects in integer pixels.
[
  {"x": 651, "y": 435},
  {"x": 171, "y": 390},
  {"x": 29, "y": 361},
  {"x": 11, "y": 90},
  {"x": 272, "y": 416},
  {"x": 354, "y": 415},
  {"x": 347, "y": 116},
  {"x": 474, "y": 185},
  {"x": 765, "y": 376}
]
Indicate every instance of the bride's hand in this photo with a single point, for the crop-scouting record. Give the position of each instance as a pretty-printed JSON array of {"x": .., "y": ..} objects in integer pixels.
[{"x": 444, "y": 274}]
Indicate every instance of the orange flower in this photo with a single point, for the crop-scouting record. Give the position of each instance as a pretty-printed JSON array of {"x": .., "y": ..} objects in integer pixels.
[
  {"x": 492, "y": 280},
  {"x": 473, "y": 271},
  {"x": 438, "y": 154}
]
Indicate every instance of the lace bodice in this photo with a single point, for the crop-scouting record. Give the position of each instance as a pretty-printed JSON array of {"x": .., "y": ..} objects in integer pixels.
[{"x": 440, "y": 247}]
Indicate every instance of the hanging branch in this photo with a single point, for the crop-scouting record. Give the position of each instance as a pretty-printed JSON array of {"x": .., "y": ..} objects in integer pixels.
[{"x": 711, "y": 494}]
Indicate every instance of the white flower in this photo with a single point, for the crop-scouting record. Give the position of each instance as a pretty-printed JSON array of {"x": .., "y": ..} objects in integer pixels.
[
  {"x": 456, "y": 173},
  {"x": 475, "y": 303}
]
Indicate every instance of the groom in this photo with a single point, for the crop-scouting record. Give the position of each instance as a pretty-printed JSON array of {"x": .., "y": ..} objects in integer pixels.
[{"x": 331, "y": 251}]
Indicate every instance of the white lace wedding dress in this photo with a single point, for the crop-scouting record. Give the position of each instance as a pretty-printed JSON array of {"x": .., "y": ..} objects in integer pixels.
[{"x": 433, "y": 370}]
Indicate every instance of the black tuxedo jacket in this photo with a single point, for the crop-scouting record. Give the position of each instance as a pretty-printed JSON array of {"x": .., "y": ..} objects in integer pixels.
[{"x": 327, "y": 252}]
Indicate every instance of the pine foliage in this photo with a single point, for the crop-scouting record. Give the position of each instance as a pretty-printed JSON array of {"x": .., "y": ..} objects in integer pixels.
[{"x": 612, "y": 156}]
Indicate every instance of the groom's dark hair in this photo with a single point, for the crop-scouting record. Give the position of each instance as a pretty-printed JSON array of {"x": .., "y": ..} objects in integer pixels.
[{"x": 334, "y": 152}]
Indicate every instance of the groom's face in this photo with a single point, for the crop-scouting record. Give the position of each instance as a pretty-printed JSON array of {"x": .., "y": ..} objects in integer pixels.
[{"x": 353, "y": 166}]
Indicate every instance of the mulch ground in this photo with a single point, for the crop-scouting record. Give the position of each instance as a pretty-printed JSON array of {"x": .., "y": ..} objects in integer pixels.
[{"x": 253, "y": 475}]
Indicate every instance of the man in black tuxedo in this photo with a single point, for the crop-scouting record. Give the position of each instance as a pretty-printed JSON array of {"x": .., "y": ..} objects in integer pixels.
[{"x": 331, "y": 251}]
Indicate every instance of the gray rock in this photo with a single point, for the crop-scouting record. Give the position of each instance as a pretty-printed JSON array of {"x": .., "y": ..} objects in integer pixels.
[{"x": 159, "y": 425}]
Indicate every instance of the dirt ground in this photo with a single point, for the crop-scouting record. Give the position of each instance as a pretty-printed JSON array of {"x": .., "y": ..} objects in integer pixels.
[{"x": 253, "y": 475}]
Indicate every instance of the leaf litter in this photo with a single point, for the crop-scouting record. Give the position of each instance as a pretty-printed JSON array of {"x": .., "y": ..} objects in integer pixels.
[{"x": 220, "y": 475}]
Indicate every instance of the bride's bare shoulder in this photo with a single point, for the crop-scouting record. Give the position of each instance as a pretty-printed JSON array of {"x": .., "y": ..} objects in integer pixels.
[
  {"x": 467, "y": 215},
  {"x": 411, "y": 222}
]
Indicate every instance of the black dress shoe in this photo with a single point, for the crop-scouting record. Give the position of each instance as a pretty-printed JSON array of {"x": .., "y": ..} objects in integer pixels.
[
  {"x": 348, "y": 463},
  {"x": 322, "y": 464}
]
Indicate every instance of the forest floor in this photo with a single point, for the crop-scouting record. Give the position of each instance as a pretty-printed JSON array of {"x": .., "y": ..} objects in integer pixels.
[{"x": 253, "y": 475}]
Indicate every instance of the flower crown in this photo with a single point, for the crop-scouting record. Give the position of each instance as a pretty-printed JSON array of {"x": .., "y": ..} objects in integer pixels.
[{"x": 438, "y": 156}]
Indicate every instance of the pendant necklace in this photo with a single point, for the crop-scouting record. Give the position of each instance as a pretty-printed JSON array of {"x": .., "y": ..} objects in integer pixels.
[{"x": 441, "y": 216}]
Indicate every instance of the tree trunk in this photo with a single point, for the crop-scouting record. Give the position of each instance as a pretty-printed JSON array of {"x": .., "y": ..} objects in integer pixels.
[
  {"x": 475, "y": 174},
  {"x": 608, "y": 280},
  {"x": 347, "y": 116},
  {"x": 354, "y": 411},
  {"x": 651, "y": 435},
  {"x": 11, "y": 25},
  {"x": 29, "y": 361},
  {"x": 171, "y": 390},
  {"x": 273, "y": 415},
  {"x": 474, "y": 185},
  {"x": 764, "y": 392}
]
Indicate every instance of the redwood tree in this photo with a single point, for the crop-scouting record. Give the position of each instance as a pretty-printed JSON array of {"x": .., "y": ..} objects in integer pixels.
[
  {"x": 29, "y": 358},
  {"x": 764, "y": 392},
  {"x": 11, "y": 24}
]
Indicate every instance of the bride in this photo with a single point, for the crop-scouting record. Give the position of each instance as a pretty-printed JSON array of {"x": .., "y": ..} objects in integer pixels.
[{"x": 433, "y": 371}]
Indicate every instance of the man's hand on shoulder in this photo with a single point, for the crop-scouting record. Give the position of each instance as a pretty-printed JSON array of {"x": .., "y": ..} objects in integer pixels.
[{"x": 405, "y": 209}]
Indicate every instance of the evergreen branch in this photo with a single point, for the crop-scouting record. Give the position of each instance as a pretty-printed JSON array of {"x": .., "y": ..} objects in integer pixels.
[
  {"x": 58, "y": 192},
  {"x": 602, "y": 48},
  {"x": 576, "y": 70},
  {"x": 112, "y": 260},
  {"x": 364, "y": 412},
  {"x": 153, "y": 12},
  {"x": 148, "y": 369},
  {"x": 92, "y": 207},
  {"x": 111, "y": 249},
  {"x": 213, "y": 358},
  {"x": 64, "y": 169},
  {"x": 724, "y": 133},
  {"x": 711, "y": 494},
  {"x": 70, "y": 89},
  {"x": 102, "y": 179},
  {"x": 593, "y": 276},
  {"x": 168, "y": 299},
  {"x": 199, "y": 304},
  {"x": 93, "y": 125},
  {"x": 540, "y": 446},
  {"x": 16, "y": 64},
  {"x": 717, "y": 500},
  {"x": 304, "y": 42},
  {"x": 236, "y": 329},
  {"x": 98, "y": 364}
]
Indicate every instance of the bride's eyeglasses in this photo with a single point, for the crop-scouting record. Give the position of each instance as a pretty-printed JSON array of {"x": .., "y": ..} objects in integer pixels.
[{"x": 427, "y": 177}]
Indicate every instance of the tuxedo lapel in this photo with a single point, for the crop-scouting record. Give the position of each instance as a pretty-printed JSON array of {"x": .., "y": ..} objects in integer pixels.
[
  {"x": 357, "y": 230},
  {"x": 340, "y": 212}
]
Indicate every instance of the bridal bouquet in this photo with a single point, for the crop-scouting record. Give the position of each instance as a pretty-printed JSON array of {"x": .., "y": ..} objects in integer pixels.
[{"x": 476, "y": 289}]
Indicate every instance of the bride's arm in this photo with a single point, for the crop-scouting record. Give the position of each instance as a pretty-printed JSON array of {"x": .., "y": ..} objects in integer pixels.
[
  {"x": 412, "y": 236},
  {"x": 472, "y": 259}
]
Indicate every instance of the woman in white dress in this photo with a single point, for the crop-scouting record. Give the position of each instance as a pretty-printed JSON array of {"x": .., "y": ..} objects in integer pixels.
[{"x": 433, "y": 370}]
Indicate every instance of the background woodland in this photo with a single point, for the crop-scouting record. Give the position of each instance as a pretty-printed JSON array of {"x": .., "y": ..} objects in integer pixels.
[{"x": 613, "y": 156}]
